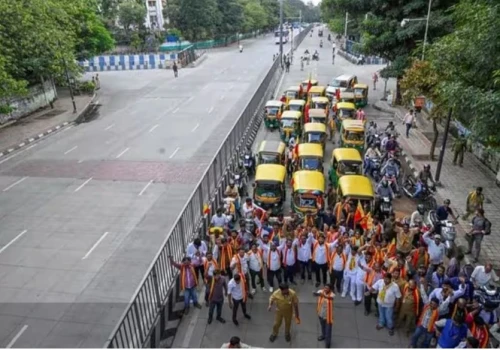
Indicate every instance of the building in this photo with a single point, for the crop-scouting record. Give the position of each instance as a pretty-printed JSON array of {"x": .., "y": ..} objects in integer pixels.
[{"x": 154, "y": 15}]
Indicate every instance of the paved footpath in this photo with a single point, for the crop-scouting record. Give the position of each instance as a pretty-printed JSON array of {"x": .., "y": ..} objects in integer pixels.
[
  {"x": 352, "y": 329},
  {"x": 456, "y": 182}
]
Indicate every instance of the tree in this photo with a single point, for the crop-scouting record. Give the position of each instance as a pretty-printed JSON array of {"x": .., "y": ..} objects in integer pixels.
[
  {"x": 196, "y": 19},
  {"x": 255, "y": 16},
  {"x": 131, "y": 14},
  {"x": 467, "y": 61},
  {"x": 231, "y": 17}
]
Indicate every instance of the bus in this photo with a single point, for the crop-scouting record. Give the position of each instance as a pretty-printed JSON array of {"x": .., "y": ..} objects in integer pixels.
[{"x": 285, "y": 34}]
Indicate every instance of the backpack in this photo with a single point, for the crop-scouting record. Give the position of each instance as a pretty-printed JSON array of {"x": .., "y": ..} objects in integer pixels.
[{"x": 487, "y": 227}]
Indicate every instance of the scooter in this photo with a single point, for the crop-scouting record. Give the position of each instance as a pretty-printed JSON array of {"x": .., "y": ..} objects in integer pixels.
[
  {"x": 241, "y": 48},
  {"x": 248, "y": 163},
  {"x": 315, "y": 57},
  {"x": 447, "y": 231},
  {"x": 375, "y": 168}
]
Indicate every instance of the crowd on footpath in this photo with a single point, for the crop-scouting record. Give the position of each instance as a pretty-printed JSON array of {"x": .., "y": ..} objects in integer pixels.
[{"x": 396, "y": 268}]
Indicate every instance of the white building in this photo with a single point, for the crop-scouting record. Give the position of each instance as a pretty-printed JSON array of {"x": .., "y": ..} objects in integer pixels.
[{"x": 154, "y": 15}]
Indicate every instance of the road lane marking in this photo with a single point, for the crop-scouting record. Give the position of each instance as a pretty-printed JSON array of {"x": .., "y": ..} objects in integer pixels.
[
  {"x": 80, "y": 161},
  {"x": 195, "y": 127},
  {"x": 71, "y": 150},
  {"x": 14, "y": 184},
  {"x": 210, "y": 110},
  {"x": 189, "y": 99},
  {"x": 145, "y": 188},
  {"x": 109, "y": 127},
  {"x": 123, "y": 152},
  {"x": 83, "y": 184},
  {"x": 12, "y": 241},
  {"x": 95, "y": 245},
  {"x": 176, "y": 110},
  {"x": 17, "y": 336},
  {"x": 154, "y": 127},
  {"x": 174, "y": 153}
]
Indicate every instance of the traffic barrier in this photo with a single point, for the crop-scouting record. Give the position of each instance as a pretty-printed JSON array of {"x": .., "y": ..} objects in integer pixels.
[{"x": 143, "y": 323}]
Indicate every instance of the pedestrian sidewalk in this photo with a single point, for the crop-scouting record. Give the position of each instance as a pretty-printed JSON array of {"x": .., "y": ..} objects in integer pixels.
[
  {"x": 456, "y": 181},
  {"x": 37, "y": 123}
]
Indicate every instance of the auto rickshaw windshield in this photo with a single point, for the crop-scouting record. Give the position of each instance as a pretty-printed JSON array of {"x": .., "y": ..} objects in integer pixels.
[
  {"x": 314, "y": 94},
  {"x": 302, "y": 200},
  {"x": 295, "y": 108},
  {"x": 310, "y": 163},
  {"x": 354, "y": 136},
  {"x": 266, "y": 158},
  {"x": 267, "y": 189},
  {"x": 320, "y": 105},
  {"x": 344, "y": 113},
  {"x": 288, "y": 123},
  {"x": 291, "y": 94},
  {"x": 339, "y": 83},
  {"x": 348, "y": 168},
  {"x": 313, "y": 137},
  {"x": 272, "y": 110},
  {"x": 358, "y": 92}
]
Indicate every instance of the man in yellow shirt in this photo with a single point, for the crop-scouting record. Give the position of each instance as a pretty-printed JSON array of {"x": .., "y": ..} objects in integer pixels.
[{"x": 287, "y": 303}]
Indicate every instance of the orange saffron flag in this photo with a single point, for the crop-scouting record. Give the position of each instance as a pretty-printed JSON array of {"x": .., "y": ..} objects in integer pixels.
[
  {"x": 359, "y": 214},
  {"x": 206, "y": 209}
]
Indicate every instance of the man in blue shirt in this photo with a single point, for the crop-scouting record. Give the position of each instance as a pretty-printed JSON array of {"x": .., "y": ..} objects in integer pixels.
[
  {"x": 444, "y": 211},
  {"x": 451, "y": 332},
  {"x": 455, "y": 282}
]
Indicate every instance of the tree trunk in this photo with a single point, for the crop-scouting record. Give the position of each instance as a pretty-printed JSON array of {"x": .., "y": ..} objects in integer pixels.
[
  {"x": 42, "y": 81},
  {"x": 434, "y": 139},
  {"x": 398, "y": 91}
]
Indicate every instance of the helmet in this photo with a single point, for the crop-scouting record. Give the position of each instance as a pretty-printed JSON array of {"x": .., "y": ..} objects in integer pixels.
[
  {"x": 421, "y": 209},
  {"x": 427, "y": 167}
]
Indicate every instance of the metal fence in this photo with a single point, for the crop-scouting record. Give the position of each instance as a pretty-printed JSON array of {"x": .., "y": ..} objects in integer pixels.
[{"x": 145, "y": 318}]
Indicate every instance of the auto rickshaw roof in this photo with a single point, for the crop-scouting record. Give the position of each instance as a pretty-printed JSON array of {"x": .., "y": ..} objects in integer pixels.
[
  {"x": 320, "y": 99},
  {"x": 314, "y": 82},
  {"x": 291, "y": 114},
  {"x": 297, "y": 102},
  {"x": 346, "y": 105},
  {"x": 274, "y": 103},
  {"x": 308, "y": 180},
  {"x": 311, "y": 149},
  {"x": 361, "y": 86},
  {"x": 345, "y": 77},
  {"x": 347, "y": 154},
  {"x": 293, "y": 88},
  {"x": 319, "y": 89},
  {"x": 353, "y": 125},
  {"x": 270, "y": 172},
  {"x": 317, "y": 112},
  {"x": 356, "y": 186},
  {"x": 314, "y": 127},
  {"x": 346, "y": 94},
  {"x": 272, "y": 146}
]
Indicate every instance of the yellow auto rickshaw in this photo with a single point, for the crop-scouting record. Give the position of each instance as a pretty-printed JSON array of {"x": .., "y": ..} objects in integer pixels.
[
  {"x": 356, "y": 188},
  {"x": 296, "y": 105},
  {"x": 292, "y": 93},
  {"x": 317, "y": 116},
  {"x": 305, "y": 84},
  {"x": 290, "y": 125},
  {"x": 352, "y": 134},
  {"x": 273, "y": 111},
  {"x": 308, "y": 189},
  {"x": 269, "y": 187},
  {"x": 314, "y": 133},
  {"x": 345, "y": 161},
  {"x": 343, "y": 111},
  {"x": 310, "y": 157},
  {"x": 271, "y": 152},
  {"x": 347, "y": 96},
  {"x": 316, "y": 91},
  {"x": 320, "y": 103},
  {"x": 361, "y": 95}
]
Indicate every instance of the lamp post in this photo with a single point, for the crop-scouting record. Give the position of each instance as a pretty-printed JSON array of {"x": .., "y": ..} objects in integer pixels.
[
  {"x": 405, "y": 21},
  {"x": 291, "y": 41},
  {"x": 281, "y": 33},
  {"x": 443, "y": 146},
  {"x": 66, "y": 72}
]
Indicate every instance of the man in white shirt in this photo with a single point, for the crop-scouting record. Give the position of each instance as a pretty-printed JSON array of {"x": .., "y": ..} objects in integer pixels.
[
  {"x": 289, "y": 256},
  {"x": 256, "y": 265},
  {"x": 446, "y": 296},
  {"x": 239, "y": 265},
  {"x": 484, "y": 275},
  {"x": 408, "y": 120},
  {"x": 436, "y": 251},
  {"x": 249, "y": 206},
  {"x": 304, "y": 254},
  {"x": 388, "y": 293},
  {"x": 350, "y": 274},
  {"x": 273, "y": 262},
  {"x": 320, "y": 254},
  {"x": 196, "y": 251},
  {"x": 237, "y": 295},
  {"x": 219, "y": 219},
  {"x": 338, "y": 261}
]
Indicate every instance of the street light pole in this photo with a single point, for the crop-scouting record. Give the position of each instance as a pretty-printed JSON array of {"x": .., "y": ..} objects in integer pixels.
[
  {"x": 426, "y": 29},
  {"x": 69, "y": 83},
  {"x": 345, "y": 26},
  {"x": 281, "y": 33},
  {"x": 443, "y": 147}
]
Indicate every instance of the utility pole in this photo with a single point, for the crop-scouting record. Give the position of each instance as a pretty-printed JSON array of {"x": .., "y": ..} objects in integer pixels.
[
  {"x": 443, "y": 147},
  {"x": 426, "y": 29},
  {"x": 281, "y": 33},
  {"x": 69, "y": 82},
  {"x": 345, "y": 26}
]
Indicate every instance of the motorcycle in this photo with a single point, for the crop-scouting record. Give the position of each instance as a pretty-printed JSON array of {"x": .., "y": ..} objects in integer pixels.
[
  {"x": 248, "y": 163},
  {"x": 315, "y": 57},
  {"x": 488, "y": 294},
  {"x": 375, "y": 169},
  {"x": 426, "y": 197},
  {"x": 241, "y": 48},
  {"x": 230, "y": 209},
  {"x": 447, "y": 231},
  {"x": 385, "y": 207},
  {"x": 320, "y": 45},
  {"x": 392, "y": 179}
]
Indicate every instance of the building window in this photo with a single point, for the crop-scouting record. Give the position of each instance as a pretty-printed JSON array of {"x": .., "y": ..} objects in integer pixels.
[{"x": 152, "y": 3}]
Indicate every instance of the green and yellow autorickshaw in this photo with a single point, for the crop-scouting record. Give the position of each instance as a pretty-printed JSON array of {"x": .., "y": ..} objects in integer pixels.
[
  {"x": 356, "y": 188},
  {"x": 317, "y": 116},
  {"x": 291, "y": 125},
  {"x": 273, "y": 111},
  {"x": 310, "y": 157},
  {"x": 271, "y": 152},
  {"x": 344, "y": 111},
  {"x": 269, "y": 188},
  {"x": 345, "y": 161},
  {"x": 296, "y": 105},
  {"x": 361, "y": 95},
  {"x": 314, "y": 133},
  {"x": 308, "y": 190},
  {"x": 352, "y": 134}
]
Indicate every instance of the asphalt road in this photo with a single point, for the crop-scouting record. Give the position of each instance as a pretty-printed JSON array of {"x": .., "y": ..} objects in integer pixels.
[
  {"x": 352, "y": 329},
  {"x": 84, "y": 212}
]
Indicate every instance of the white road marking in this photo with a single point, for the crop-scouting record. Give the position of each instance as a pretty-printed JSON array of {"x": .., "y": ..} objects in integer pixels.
[
  {"x": 14, "y": 184},
  {"x": 189, "y": 99},
  {"x": 12, "y": 241},
  {"x": 21, "y": 144},
  {"x": 83, "y": 184},
  {"x": 123, "y": 152},
  {"x": 174, "y": 152},
  {"x": 145, "y": 188},
  {"x": 71, "y": 150},
  {"x": 109, "y": 127},
  {"x": 18, "y": 335},
  {"x": 195, "y": 127},
  {"x": 95, "y": 245},
  {"x": 154, "y": 127},
  {"x": 211, "y": 109},
  {"x": 176, "y": 110},
  {"x": 30, "y": 147},
  {"x": 80, "y": 161}
]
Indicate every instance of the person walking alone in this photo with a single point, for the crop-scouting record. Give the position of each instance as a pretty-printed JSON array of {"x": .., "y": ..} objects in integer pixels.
[
  {"x": 217, "y": 290},
  {"x": 237, "y": 295},
  {"x": 175, "y": 69},
  {"x": 409, "y": 120},
  {"x": 325, "y": 313},
  {"x": 287, "y": 304}
]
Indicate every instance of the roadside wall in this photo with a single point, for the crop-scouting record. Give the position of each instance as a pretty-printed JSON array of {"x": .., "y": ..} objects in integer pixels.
[
  {"x": 128, "y": 62},
  {"x": 34, "y": 100}
]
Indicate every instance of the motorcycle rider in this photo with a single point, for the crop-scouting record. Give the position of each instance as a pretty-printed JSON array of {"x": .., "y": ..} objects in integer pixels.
[
  {"x": 391, "y": 169},
  {"x": 444, "y": 211},
  {"x": 241, "y": 48},
  {"x": 321, "y": 43},
  {"x": 390, "y": 128},
  {"x": 232, "y": 191},
  {"x": 417, "y": 216},
  {"x": 423, "y": 178},
  {"x": 371, "y": 132},
  {"x": 383, "y": 144},
  {"x": 383, "y": 191},
  {"x": 248, "y": 152},
  {"x": 370, "y": 153},
  {"x": 392, "y": 144},
  {"x": 316, "y": 54}
]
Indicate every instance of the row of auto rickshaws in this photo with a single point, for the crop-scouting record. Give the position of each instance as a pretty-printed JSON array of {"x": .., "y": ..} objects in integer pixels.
[{"x": 308, "y": 181}]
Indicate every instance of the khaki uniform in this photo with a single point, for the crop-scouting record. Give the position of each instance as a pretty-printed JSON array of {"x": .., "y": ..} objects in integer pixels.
[
  {"x": 407, "y": 317},
  {"x": 284, "y": 310}
]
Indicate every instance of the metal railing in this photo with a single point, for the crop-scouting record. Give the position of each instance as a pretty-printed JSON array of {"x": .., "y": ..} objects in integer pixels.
[{"x": 138, "y": 325}]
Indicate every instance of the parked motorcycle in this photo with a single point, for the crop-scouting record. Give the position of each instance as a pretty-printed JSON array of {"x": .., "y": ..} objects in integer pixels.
[
  {"x": 426, "y": 197},
  {"x": 447, "y": 231}
]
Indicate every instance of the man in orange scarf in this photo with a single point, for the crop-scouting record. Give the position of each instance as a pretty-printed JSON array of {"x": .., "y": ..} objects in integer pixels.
[
  {"x": 325, "y": 313},
  {"x": 217, "y": 290},
  {"x": 425, "y": 325},
  {"x": 188, "y": 282},
  {"x": 237, "y": 295}
]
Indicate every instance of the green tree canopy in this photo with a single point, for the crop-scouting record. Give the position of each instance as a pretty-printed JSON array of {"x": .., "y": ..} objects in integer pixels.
[
  {"x": 131, "y": 14},
  {"x": 255, "y": 16}
]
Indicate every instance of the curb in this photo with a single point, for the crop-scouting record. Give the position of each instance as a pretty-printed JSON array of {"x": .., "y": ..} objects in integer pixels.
[
  {"x": 199, "y": 61},
  {"x": 47, "y": 132}
]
